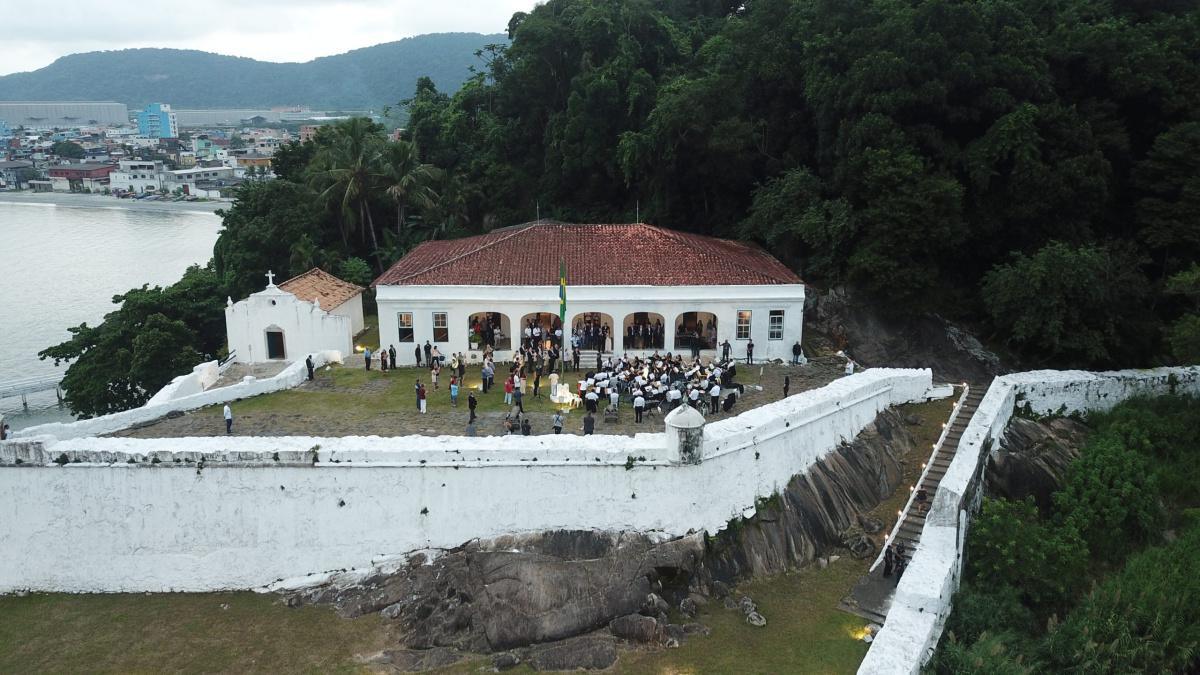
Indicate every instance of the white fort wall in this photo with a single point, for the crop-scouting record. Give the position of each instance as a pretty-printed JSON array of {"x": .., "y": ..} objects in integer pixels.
[
  {"x": 245, "y": 520},
  {"x": 922, "y": 602},
  {"x": 186, "y": 392}
]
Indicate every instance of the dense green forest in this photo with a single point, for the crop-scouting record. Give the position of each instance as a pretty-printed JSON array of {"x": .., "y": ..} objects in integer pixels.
[
  {"x": 1031, "y": 169},
  {"x": 371, "y": 77},
  {"x": 1108, "y": 578}
]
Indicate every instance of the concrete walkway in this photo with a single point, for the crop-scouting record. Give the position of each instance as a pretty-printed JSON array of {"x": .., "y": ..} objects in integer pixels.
[{"x": 871, "y": 597}]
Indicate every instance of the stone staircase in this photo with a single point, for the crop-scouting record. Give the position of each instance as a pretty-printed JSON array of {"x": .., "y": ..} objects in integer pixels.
[
  {"x": 939, "y": 462},
  {"x": 872, "y": 596}
]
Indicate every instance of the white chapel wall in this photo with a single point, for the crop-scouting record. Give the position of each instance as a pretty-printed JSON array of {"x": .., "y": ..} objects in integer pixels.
[{"x": 306, "y": 327}]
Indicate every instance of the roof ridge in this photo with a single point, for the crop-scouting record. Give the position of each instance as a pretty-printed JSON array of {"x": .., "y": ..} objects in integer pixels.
[{"x": 468, "y": 252}]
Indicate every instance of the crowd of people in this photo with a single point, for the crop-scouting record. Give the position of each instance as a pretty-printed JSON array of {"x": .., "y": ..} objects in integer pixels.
[
  {"x": 644, "y": 334},
  {"x": 660, "y": 382}
]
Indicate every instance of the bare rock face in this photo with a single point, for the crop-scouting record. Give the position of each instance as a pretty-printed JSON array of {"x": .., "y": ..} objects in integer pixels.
[
  {"x": 1033, "y": 458},
  {"x": 516, "y": 591},
  {"x": 817, "y": 509}
]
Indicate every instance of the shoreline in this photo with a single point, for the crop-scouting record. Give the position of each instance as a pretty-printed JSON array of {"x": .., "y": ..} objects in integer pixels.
[{"x": 94, "y": 201}]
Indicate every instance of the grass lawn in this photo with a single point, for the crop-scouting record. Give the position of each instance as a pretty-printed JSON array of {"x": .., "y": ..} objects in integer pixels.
[{"x": 212, "y": 632}]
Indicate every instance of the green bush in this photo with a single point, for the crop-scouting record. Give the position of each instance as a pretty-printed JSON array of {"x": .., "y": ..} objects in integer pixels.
[
  {"x": 1146, "y": 618},
  {"x": 989, "y": 607},
  {"x": 991, "y": 654},
  {"x": 1010, "y": 546},
  {"x": 1111, "y": 497}
]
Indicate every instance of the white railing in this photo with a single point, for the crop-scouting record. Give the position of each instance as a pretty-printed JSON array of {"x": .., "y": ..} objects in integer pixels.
[{"x": 912, "y": 493}]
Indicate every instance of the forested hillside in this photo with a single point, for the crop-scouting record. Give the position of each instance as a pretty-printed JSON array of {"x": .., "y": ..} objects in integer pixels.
[
  {"x": 364, "y": 78},
  {"x": 1032, "y": 166},
  {"x": 1029, "y": 168}
]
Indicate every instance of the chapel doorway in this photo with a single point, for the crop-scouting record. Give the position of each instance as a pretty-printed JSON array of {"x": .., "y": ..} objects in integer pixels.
[{"x": 275, "y": 348}]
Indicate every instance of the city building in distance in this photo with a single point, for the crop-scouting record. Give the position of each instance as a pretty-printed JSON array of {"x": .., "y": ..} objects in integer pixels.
[
  {"x": 158, "y": 121},
  {"x": 63, "y": 114}
]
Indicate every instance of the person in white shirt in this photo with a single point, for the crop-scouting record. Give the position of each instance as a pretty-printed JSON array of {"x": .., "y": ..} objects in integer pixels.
[
  {"x": 639, "y": 405},
  {"x": 714, "y": 395},
  {"x": 849, "y": 366},
  {"x": 228, "y": 419},
  {"x": 694, "y": 398},
  {"x": 592, "y": 397},
  {"x": 613, "y": 397}
]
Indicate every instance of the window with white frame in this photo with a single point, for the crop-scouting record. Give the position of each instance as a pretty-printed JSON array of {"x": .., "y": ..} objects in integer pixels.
[
  {"x": 404, "y": 320},
  {"x": 441, "y": 328},
  {"x": 743, "y": 325},
  {"x": 775, "y": 325}
]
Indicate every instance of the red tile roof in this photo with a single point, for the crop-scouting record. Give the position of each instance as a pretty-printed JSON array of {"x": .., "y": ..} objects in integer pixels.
[
  {"x": 596, "y": 255},
  {"x": 320, "y": 287}
]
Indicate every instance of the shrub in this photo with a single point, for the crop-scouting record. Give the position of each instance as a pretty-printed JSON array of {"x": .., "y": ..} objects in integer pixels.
[
  {"x": 991, "y": 654},
  {"x": 989, "y": 608}
]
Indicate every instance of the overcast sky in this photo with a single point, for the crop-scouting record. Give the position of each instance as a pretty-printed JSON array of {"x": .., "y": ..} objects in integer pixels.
[{"x": 270, "y": 30}]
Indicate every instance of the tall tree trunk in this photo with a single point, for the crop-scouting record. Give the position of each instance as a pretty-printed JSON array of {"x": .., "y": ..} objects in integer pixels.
[{"x": 374, "y": 241}]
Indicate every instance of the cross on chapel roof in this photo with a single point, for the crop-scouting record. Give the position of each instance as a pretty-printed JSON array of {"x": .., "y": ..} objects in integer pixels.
[{"x": 270, "y": 278}]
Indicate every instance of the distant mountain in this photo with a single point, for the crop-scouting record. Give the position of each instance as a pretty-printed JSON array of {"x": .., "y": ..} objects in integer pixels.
[{"x": 371, "y": 77}]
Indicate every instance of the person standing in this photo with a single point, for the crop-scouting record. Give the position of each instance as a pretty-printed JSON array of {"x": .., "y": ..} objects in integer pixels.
[
  {"x": 454, "y": 391},
  {"x": 519, "y": 392},
  {"x": 750, "y": 352},
  {"x": 526, "y": 429},
  {"x": 639, "y": 406},
  {"x": 589, "y": 424},
  {"x": 575, "y": 359},
  {"x": 726, "y": 350},
  {"x": 428, "y": 354},
  {"x": 228, "y": 419},
  {"x": 383, "y": 360},
  {"x": 433, "y": 374},
  {"x": 849, "y": 366},
  {"x": 417, "y": 353},
  {"x": 308, "y": 363},
  {"x": 367, "y": 357},
  {"x": 392, "y": 356},
  {"x": 537, "y": 383},
  {"x": 614, "y": 397},
  {"x": 787, "y": 384},
  {"x": 485, "y": 373},
  {"x": 796, "y": 350},
  {"x": 508, "y": 390},
  {"x": 557, "y": 422},
  {"x": 714, "y": 396},
  {"x": 417, "y": 392},
  {"x": 472, "y": 403},
  {"x": 462, "y": 367},
  {"x": 421, "y": 398}
]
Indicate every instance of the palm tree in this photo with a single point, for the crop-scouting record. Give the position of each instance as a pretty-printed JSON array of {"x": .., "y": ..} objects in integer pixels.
[
  {"x": 409, "y": 182},
  {"x": 347, "y": 171}
]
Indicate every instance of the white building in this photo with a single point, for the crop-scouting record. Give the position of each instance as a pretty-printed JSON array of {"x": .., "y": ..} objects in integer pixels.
[
  {"x": 694, "y": 291},
  {"x": 138, "y": 175},
  {"x": 312, "y": 312}
]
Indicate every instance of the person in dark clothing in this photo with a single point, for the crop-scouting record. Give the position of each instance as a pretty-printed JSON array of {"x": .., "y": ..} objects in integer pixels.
[
  {"x": 417, "y": 352},
  {"x": 526, "y": 429},
  {"x": 417, "y": 391},
  {"x": 796, "y": 350},
  {"x": 309, "y": 364},
  {"x": 472, "y": 402},
  {"x": 589, "y": 424},
  {"x": 575, "y": 359},
  {"x": 517, "y": 396},
  {"x": 383, "y": 359},
  {"x": 599, "y": 362},
  {"x": 889, "y": 561},
  {"x": 428, "y": 354},
  {"x": 537, "y": 383},
  {"x": 726, "y": 349},
  {"x": 392, "y": 357},
  {"x": 787, "y": 384},
  {"x": 367, "y": 357},
  {"x": 750, "y": 352}
]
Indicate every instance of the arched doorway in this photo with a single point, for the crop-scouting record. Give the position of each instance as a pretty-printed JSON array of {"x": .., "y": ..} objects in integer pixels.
[
  {"x": 489, "y": 329},
  {"x": 643, "y": 330},
  {"x": 276, "y": 349},
  {"x": 696, "y": 331},
  {"x": 595, "y": 331},
  {"x": 539, "y": 328}
]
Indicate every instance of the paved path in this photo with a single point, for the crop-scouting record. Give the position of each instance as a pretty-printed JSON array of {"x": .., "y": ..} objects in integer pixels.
[{"x": 871, "y": 597}]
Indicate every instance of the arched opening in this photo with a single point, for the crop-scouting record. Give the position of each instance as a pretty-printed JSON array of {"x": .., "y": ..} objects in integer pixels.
[
  {"x": 539, "y": 328},
  {"x": 696, "y": 331},
  {"x": 594, "y": 331},
  {"x": 276, "y": 349},
  {"x": 489, "y": 329},
  {"x": 643, "y": 330}
]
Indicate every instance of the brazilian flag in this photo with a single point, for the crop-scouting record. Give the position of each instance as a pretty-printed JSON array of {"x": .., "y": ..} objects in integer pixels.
[{"x": 562, "y": 294}]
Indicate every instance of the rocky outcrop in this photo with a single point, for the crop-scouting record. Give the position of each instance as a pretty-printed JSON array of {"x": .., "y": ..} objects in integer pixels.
[
  {"x": 874, "y": 338},
  {"x": 1033, "y": 458},
  {"x": 518, "y": 590},
  {"x": 819, "y": 510},
  {"x": 565, "y": 599}
]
